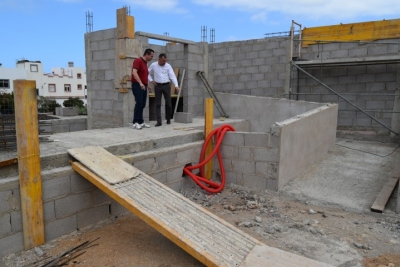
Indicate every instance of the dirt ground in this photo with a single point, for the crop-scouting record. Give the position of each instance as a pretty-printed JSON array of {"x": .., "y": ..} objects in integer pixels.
[{"x": 280, "y": 220}]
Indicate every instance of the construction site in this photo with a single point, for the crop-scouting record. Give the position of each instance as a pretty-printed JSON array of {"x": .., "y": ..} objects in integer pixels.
[{"x": 304, "y": 136}]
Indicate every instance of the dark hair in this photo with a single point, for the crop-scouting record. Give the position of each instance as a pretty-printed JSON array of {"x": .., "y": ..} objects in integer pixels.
[
  {"x": 148, "y": 51},
  {"x": 162, "y": 55}
]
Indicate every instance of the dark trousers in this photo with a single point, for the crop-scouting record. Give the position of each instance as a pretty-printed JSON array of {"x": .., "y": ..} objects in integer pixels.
[
  {"x": 165, "y": 90},
  {"x": 140, "y": 99}
]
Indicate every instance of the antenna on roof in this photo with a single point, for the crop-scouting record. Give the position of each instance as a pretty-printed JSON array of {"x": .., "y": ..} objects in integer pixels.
[{"x": 89, "y": 21}]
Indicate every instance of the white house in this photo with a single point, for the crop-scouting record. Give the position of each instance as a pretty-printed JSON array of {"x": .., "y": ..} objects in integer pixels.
[{"x": 59, "y": 85}]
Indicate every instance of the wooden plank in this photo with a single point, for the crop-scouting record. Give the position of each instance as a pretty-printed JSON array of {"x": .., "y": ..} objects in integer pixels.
[
  {"x": 263, "y": 255},
  {"x": 176, "y": 71},
  {"x": 208, "y": 127},
  {"x": 8, "y": 162},
  {"x": 154, "y": 222},
  {"x": 30, "y": 178},
  {"x": 125, "y": 24},
  {"x": 384, "y": 195},
  {"x": 363, "y": 31},
  {"x": 112, "y": 169}
]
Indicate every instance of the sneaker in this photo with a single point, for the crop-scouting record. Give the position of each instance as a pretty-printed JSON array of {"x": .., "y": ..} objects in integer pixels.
[
  {"x": 144, "y": 125},
  {"x": 137, "y": 126},
  {"x": 168, "y": 122}
]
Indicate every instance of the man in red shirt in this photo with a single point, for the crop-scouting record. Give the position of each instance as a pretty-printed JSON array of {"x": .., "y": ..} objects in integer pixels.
[{"x": 139, "y": 80}]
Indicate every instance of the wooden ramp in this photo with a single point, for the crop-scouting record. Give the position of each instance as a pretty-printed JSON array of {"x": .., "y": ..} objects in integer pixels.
[{"x": 205, "y": 236}]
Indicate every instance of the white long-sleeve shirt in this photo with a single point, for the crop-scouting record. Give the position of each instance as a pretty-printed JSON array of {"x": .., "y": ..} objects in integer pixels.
[{"x": 162, "y": 74}]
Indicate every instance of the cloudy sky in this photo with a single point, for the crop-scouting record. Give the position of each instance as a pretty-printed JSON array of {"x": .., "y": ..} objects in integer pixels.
[{"x": 52, "y": 31}]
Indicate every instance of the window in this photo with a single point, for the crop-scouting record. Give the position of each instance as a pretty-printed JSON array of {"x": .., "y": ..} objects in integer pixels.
[
  {"x": 4, "y": 83},
  {"x": 67, "y": 88},
  {"x": 34, "y": 68},
  {"x": 52, "y": 87},
  {"x": 79, "y": 86},
  {"x": 79, "y": 76}
]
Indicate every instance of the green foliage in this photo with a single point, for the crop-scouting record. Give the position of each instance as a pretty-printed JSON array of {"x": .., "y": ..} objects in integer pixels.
[
  {"x": 6, "y": 103},
  {"x": 73, "y": 102},
  {"x": 47, "y": 105},
  {"x": 82, "y": 111}
]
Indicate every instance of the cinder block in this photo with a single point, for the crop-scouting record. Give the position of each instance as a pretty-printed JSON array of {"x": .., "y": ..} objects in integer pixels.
[
  {"x": 117, "y": 209},
  {"x": 266, "y": 155},
  {"x": 160, "y": 176},
  {"x": 5, "y": 222},
  {"x": 165, "y": 161},
  {"x": 386, "y": 77},
  {"x": 146, "y": 165},
  {"x": 57, "y": 228},
  {"x": 272, "y": 184},
  {"x": 375, "y": 50},
  {"x": 57, "y": 187},
  {"x": 339, "y": 54},
  {"x": 48, "y": 211},
  {"x": 68, "y": 111},
  {"x": 74, "y": 127},
  {"x": 11, "y": 244},
  {"x": 243, "y": 166},
  {"x": 187, "y": 156},
  {"x": 72, "y": 204},
  {"x": 183, "y": 117},
  {"x": 99, "y": 197},
  {"x": 60, "y": 128},
  {"x": 4, "y": 196},
  {"x": 16, "y": 221},
  {"x": 380, "y": 104},
  {"x": 262, "y": 169},
  {"x": 245, "y": 152},
  {"x": 234, "y": 139},
  {"x": 174, "y": 174},
  {"x": 79, "y": 184},
  {"x": 230, "y": 152},
  {"x": 362, "y": 122},
  {"x": 93, "y": 216},
  {"x": 256, "y": 139}
]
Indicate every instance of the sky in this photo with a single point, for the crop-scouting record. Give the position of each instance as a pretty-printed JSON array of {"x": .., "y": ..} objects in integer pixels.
[{"x": 52, "y": 31}]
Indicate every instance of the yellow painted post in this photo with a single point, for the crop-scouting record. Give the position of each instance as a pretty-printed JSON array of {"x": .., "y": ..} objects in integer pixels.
[
  {"x": 208, "y": 127},
  {"x": 26, "y": 123}
]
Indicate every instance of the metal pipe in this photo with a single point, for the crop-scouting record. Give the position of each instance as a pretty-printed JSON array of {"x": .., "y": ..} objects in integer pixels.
[
  {"x": 326, "y": 86},
  {"x": 363, "y": 94}
]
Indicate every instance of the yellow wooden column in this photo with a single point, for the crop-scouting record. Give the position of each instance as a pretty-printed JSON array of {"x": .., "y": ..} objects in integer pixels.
[
  {"x": 26, "y": 123},
  {"x": 208, "y": 127}
]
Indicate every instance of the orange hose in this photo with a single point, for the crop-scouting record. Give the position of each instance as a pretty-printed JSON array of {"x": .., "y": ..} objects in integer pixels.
[{"x": 204, "y": 183}]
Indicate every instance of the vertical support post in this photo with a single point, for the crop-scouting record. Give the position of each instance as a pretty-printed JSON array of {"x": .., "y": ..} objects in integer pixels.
[
  {"x": 208, "y": 127},
  {"x": 26, "y": 120},
  {"x": 395, "y": 123}
]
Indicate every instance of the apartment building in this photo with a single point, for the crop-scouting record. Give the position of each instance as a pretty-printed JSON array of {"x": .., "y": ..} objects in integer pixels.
[{"x": 59, "y": 84}]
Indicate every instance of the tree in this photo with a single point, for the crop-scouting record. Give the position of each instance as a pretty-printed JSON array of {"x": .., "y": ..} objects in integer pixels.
[
  {"x": 47, "y": 105},
  {"x": 73, "y": 102}
]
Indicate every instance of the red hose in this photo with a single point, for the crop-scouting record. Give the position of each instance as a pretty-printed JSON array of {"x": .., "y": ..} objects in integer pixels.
[{"x": 204, "y": 183}]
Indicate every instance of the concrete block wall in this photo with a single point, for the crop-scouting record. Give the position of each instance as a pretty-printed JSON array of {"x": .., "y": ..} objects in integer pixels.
[
  {"x": 64, "y": 125},
  {"x": 250, "y": 159},
  {"x": 105, "y": 103},
  {"x": 253, "y": 67},
  {"x": 71, "y": 203},
  {"x": 370, "y": 87}
]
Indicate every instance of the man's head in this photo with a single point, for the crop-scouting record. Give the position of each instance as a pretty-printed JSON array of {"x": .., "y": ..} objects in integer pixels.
[
  {"x": 148, "y": 54},
  {"x": 162, "y": 59}
]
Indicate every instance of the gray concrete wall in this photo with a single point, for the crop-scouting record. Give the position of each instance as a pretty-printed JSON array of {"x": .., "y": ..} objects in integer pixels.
[
  {"x": 71, "y": 203},
  {"x": 262, "y": 112},
  {"x": 252, "y": 67},
  {"x": 355, "y": 83},
  {"x": 250, "y": 159},
  {"x": 62, "y": 125},
  {"x": 304, "y": 140},
  {"x": 105, "y": 104}
]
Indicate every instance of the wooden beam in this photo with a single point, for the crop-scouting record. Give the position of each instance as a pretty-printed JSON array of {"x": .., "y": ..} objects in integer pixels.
[
  {"x": 363, "y": 31},
  {"x": 8, "y": 162},
  {"x": 125, "y": 24},
  {"x": 176, "y": 72},
  {"x": 384, "y": 195},
  {"x": 30, "y": 178},
  {"x": 208, "y": 127}
]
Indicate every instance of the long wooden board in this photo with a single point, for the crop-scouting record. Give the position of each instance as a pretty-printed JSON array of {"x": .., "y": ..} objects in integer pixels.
[
  {"x": 111, "y": 168},
  {"x": 363, "y": 31},
  {"x": 383, "y": 197}
]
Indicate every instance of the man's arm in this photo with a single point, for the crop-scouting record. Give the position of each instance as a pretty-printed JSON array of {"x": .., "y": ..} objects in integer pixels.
[
  {"x": 136, "y": 77},
  {"x": 172, "y": 77}
]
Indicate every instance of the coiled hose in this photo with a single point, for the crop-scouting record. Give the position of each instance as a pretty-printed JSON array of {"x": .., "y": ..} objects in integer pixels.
[{"x": 204, "y": 183}]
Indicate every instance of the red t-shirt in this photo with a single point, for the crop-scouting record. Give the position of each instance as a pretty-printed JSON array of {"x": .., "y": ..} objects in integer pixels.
[{"x": 141, "y": 65}]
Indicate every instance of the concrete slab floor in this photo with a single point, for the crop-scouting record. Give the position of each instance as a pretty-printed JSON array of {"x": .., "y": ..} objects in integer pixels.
[
  {"x": 115, "y": 136},
  {"x": 348, "y": 178}
]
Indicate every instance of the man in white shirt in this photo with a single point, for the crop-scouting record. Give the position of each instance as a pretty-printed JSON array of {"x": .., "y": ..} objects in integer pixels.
[{"x": 162, "y": 75}]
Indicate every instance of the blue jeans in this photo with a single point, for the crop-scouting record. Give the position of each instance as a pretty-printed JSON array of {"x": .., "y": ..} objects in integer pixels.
[{"x": 140, "y": 99}]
